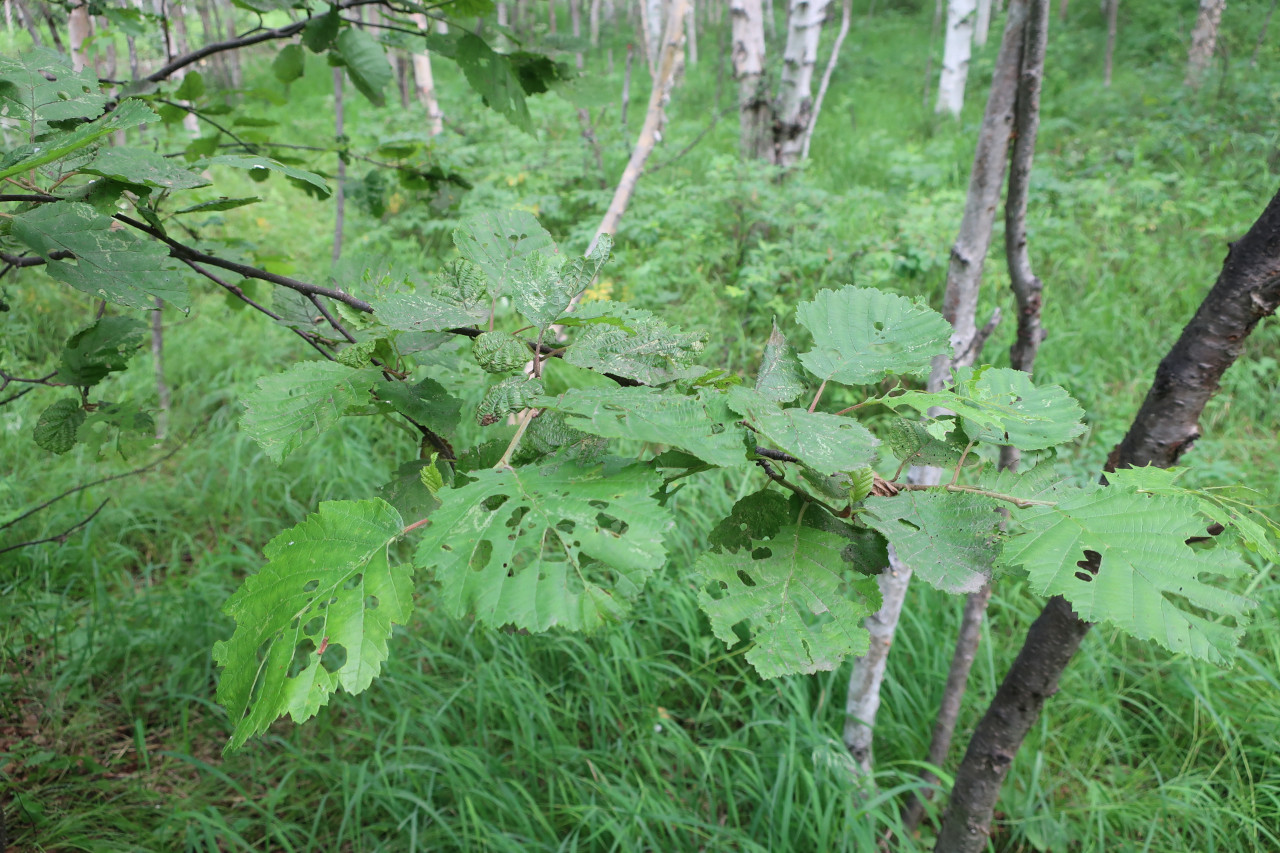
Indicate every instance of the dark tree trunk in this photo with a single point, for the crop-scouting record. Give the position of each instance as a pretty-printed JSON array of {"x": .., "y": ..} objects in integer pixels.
[{"x": 1247, "y": 289}]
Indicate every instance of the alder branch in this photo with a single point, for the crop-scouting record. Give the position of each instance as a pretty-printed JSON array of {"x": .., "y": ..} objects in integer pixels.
[
  {"x": 61, "y": 537},
  {"x": 11, "y": 522},
  {"x": 1020, "y": 503}
]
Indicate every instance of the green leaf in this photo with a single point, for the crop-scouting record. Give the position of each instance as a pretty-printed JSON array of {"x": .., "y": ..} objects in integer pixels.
[
  {"x": 646, "y": 349},
  {"x": 427, "y": 403},
  {"x": 289, "y": 64},
  {"x": 825, "y": 442},
  {"x": 407, "y": 492},
  {"x": 257, "y": 165},
  {"x": 366, "y": 63},
  {"x": 316, "y": 618},
  {"x": 1250, "y": 525},
  {"x": 192, "y": 87},
  {"x": 39, "y": 86},
  {"x": 579, "y": 272},
  {"x": 860, "y": 335},
  {"x": 130, "y": 113},
  {"x": 57, "y": 426},
  {"x": 102, "y": 347},
  {"x": 1037, "y": 417},
  {"x": 506, "y": 398},
  {"x": 538, "y": 290},
  {"x": 303, "y": 402},
  {"x": 561, "y": 546},
  {"x": 950, "y": 540},
  {"x": 791, "y": 594},
  {"x": 1149, "y": 582},
  {"x": 493, "y": 77},
  {"x": 319, "y": 33},
  {"x": 761, "y": 515},
  {"x": 701, "y": 425},
  {"x": 780, "y": 378},
  {"x": 420, "y": 312},
  {"x": 142, "y": 168},
  {"x": 499, "y": 243},
  {"x": 118, "y": 266},
  {"x": 913, "y": 444},
  {"x": 218, "y": 204}
]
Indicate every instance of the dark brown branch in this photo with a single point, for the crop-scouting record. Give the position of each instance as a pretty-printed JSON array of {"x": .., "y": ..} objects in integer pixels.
[
  {"x": 1247, "y": 289},
  {"x": 11, "y": 522},
  {"x": 22, "y": 261},
  {"x": 61, "y": 537}
]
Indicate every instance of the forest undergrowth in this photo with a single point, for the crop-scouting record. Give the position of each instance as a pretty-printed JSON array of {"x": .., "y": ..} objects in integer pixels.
[{"x": 649, "y": 735}]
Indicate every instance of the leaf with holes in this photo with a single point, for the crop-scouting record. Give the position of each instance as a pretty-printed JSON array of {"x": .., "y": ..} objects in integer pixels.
[
  {"x": 315, "y": 618},
  {"x": 825, "y": 442},
  {"x": 500, "y": 243},
  {"x": 701, "y": 425},
  {"x": 118, "y": 266},
  {"x": 860, "y": 335},
  {"x": 949, "y": 539},
  {"x": 1122, "y": 558},
  {"x": 792, "y": 595},
  {"x": 303, "y": 402},
  {"x": 560, "y": 546}
]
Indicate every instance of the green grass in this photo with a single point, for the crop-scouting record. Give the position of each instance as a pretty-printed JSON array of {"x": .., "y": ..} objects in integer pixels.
[{"x": 651, "y": 735}]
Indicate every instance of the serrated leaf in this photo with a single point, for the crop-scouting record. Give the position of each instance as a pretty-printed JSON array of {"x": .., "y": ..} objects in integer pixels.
[
  {"x": 646, "y": 349},
  {"x": 259, "y": 166},
  {"x": 825, "y": 442},
  {"x": 579, "y": 272},
  {"x": 914, "y": 444},
  {"x": 57, "y": 426},
  {"x": 1002, "y": 406},
  {"x": 306, "y": 400},
  {"x": 358, "y": 354},
  {"x": 757, "y": 516},
  {"x": 118, "y": 266},
  {"x": 493, "y": 77},
  {"x": 426, "y": 402},
  {"x": 507, "y": 397},
  {"x": 701, "y": 425},
  {"x": 860, "y": 335},
  {"x": 791, "y": 594},
  {"x": 780, "y": 378},
  {"x": 130, "y": 113},
  {"x": 39, "y": 86},
  {"x": 424, "y": 312},
  {"x": 142, "y": 168},
  {"x": 1149, "y": 582},
  {"x": 950, "y": 540},
  {"x": 328, "y": 588},
  {"x": 366, "y": 63},
  {"x": 289, "y": 64},
  {"x": 562, "y": 546},
  {"x": 549, "y": 433},
  {"x": 407, "y": 491},
  {"x": 1254, "y": 529},
  {"x": 538, "y": 291},
  {"x": 102, "y": 347},
  {"x": 861, "y": 482},
  {"x": 498, "y": 243}
]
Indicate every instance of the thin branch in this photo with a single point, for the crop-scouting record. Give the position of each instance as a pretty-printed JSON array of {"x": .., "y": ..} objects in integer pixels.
[
  {"x": 61, "y": 537},
  {"x": 11, "y": 522},
  {"x": 1020, "y": 503}
]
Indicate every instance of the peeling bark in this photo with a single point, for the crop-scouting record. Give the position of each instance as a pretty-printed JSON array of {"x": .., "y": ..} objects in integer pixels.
[{"x": 793, "y": 108}]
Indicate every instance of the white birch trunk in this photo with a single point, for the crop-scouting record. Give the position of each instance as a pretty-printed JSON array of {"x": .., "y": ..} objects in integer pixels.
[
  {"x": 425, "y": 85},
  {"x": 691, "y": 32},
  {"x": 79, "y": 29},
  {"x": 754, "y": 114},
  {"x": 1204, "y": 37},
  {"x": 983, "y": 25},
  {"x": 846, "y": 15},
  {"x": 793, "y": 108},
  {"x": 653, "y": 28},
  {"x": 955, "y": 56}
]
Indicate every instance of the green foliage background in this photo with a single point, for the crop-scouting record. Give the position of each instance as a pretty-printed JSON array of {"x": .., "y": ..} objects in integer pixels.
[{"x": 649, "y": 735}]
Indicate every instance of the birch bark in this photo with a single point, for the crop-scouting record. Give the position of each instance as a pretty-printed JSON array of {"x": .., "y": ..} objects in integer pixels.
[
  {"x": 793, "y": 108},
  {"x": 846, "y": 15},
  {"x": 425, "y": 84},
  {"x": 1204, "y": 37},
  {"x": 956, "y": 50},
  {"x": 755, "y": 117},
  {"x": 982, "y": 26}
]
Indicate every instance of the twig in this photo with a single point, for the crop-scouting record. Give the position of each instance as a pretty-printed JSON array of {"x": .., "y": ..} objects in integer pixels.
[
  {"x": 83, "y": 486},
  {"x": 1020, "y": 503},
  {"x": 785, "y": 483},
  {"x": 818, "y": 395},
  {"x": 61, "y": 537},
  {"x": 523, "y": 424}
]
